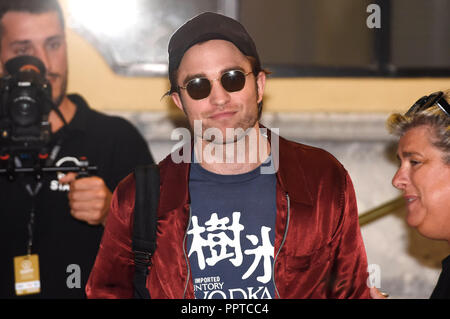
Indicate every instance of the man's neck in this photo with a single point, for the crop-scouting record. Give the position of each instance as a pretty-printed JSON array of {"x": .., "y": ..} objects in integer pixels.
[
  {"x": 67, "y": 109},
  {"x": 233, "y": 158}
]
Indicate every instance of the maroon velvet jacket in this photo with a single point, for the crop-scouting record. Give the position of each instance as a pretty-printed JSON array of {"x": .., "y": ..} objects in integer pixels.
[{"x": 319, "y": 252}]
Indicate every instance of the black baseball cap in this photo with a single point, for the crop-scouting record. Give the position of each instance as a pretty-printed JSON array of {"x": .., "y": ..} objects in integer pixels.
[{"x": 208, "y": 26}]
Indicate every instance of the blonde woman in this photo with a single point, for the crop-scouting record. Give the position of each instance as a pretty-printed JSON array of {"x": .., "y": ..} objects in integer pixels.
[{"x": 424, "y": 172}]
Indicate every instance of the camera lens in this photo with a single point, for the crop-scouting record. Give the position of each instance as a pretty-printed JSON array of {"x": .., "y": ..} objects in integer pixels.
[{"x": 24, "y": 110}]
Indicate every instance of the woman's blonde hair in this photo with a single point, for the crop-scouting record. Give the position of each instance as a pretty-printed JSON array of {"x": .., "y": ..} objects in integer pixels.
[{"x": 433, "y": 117}]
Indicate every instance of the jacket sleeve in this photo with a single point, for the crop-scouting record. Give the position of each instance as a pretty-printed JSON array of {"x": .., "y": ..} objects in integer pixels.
[
  {"x": 113, "y": 271},
  {"x": 350, "y": 262}
]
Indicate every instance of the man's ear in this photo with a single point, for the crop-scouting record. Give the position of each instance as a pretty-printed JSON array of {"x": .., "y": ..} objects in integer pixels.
[
  {"x": 261, "y": 84},
  {"x": 176, "y": 98}
]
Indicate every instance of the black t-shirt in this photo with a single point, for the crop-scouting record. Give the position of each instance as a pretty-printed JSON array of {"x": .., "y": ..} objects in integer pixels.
[
  {"x": 65, "y": 245},
  {"x": 442, "y": 289},
  {"x": 232, "y": 233}
]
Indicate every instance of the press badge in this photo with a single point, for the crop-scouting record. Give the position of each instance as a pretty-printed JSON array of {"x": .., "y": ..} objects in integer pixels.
[{"x": 26, "y": 273}]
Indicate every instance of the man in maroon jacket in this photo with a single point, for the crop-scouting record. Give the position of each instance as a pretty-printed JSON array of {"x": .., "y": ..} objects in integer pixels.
[{"x": 248, "y": 214}]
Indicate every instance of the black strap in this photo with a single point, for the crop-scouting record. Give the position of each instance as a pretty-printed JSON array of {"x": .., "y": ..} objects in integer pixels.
[{"x": 144, "y": 225}]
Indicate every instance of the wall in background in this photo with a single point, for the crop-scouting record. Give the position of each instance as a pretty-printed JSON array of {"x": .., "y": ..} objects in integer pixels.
[{"x": 90, "y": 75}]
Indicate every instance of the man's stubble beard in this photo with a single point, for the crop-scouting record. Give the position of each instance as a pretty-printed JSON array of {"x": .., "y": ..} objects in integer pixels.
[
  {"x": 245, "y": 124},
  {"x": 62, "y": 93}
]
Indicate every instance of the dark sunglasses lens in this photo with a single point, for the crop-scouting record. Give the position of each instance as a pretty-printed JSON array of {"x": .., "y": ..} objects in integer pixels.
[
  {"x": 198, "y": 88},
  {"x": 420, "y": 104},
  {"x": 426, "y": 102},
  {"x": 233, "y": 81},
  {"x": 429, "y": 101}
]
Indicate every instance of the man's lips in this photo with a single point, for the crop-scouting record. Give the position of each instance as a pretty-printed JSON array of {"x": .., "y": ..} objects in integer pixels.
[
  {"x": 222, "y": 115},
  {"x": 52, "y": 77}
]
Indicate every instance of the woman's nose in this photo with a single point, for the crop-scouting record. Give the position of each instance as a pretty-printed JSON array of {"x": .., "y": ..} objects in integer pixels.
[{"x": 399, "y": 180}]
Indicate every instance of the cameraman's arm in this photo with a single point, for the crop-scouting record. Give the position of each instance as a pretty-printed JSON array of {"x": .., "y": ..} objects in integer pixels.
[{"x": 89, "y": 198}]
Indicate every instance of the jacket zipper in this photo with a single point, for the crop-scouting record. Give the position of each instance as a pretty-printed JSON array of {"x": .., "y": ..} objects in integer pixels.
[
  {"x": 282, "y": 244},
  {"x": 185, "y": 254}
]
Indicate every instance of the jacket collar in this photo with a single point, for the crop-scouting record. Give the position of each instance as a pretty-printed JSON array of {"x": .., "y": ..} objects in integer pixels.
[
  {"x": 174, "y": 183},
  {"x": 290, "y": 175}
]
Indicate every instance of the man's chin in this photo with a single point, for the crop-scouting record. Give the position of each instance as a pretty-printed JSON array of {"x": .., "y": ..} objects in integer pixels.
[
  {"x": 229, "y": 135},
  {"x": 58, "y": 100}
]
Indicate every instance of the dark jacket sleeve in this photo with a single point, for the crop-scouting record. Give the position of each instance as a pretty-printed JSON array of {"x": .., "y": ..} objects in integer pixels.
[{"x": 112, "y": 274}]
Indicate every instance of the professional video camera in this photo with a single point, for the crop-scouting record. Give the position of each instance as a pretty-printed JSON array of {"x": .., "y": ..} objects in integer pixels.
[
  {"x": 25, "y": 132},
  {"x": 25, "y": 102}
]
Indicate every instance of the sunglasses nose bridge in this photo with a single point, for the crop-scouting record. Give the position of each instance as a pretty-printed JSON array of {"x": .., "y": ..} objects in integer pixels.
[{"x": 218, "y": 95}]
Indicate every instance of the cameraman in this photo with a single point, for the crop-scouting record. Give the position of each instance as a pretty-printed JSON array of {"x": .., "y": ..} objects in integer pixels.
[{"x": 62, "y": 224}]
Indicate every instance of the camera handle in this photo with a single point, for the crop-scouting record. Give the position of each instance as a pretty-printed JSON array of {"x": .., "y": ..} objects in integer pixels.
[{"x": 10, "y": 170}]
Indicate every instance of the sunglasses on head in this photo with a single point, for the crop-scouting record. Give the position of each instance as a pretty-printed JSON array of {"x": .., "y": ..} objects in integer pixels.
[
  {"x": 426, "y": 102},
  {"x": 200, "y": 88}
]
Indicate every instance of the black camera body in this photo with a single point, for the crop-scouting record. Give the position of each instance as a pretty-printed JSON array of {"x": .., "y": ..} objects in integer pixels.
[
  {"x": 25, "y": 103},
  {"x": 25, "y": 132}
]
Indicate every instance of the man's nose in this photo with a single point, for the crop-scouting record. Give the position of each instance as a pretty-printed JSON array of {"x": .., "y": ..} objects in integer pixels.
[
  {"x": 219, "y": 96},
  {"x": 42, "y": 55}
]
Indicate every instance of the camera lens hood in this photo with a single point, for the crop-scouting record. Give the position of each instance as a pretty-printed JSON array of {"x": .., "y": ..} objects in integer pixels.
[{"x": 23, "y": 63}]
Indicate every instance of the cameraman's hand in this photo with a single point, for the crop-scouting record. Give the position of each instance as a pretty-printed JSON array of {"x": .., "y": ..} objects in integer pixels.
[{"x": 89, "y": 198}]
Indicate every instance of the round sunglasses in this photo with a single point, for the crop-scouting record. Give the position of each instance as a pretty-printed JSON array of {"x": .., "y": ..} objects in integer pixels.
[
  {"x": 200, "y": 87},
  {"x": 426, "y": 102}
]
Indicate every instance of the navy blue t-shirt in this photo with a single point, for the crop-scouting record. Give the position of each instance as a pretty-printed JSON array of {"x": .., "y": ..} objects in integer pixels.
[{"x": 231, "y": 236}]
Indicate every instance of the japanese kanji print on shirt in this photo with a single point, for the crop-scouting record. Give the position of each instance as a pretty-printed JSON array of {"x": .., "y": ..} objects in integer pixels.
[{"x": 231, "y": 236}]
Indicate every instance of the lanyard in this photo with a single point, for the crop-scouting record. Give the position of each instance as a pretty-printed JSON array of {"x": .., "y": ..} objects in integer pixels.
[{"x": 33, "y": 192}]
